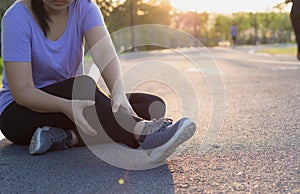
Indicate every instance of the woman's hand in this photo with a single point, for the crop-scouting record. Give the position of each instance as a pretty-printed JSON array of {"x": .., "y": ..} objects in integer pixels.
[
  {"x": 74, "y": 110},
  {"x": 119, "y": 101}
]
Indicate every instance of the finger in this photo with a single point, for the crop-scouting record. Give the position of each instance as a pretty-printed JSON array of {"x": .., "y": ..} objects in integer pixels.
[
  {"x": 87, "y": 129},
  {"x": 132, "y": 112},
  {"x": 88, "y": 103},
  {"x": 84, "y": 126},
  {"x": 116, "y": 107}
]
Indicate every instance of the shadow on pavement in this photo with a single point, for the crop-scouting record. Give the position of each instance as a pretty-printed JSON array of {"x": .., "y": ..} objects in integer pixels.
[{"x": 75, "y": 170}]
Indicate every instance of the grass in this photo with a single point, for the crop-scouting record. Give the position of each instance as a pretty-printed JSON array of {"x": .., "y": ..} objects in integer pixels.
[
  {"x": 279, "y": 51},
  {"x": 1, "y": 66},
  {"x": 1, "y": 71}
]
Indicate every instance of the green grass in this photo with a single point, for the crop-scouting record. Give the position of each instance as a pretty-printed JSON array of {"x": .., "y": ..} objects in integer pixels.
[
  {"x": 279, "y": 51},
  {"x": 1, "y": 71},
  {"x": 1, "y": 66}
]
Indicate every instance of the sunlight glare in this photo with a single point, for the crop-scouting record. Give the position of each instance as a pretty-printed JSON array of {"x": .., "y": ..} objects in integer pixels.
[{"x": 227, "y": 6}]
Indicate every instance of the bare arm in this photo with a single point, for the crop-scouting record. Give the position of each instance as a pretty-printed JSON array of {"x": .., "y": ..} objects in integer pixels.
[
  {"x": 107, "y": 60},
  {"x": 19, "y": 77},
  {"x": 105, "y": 57}
]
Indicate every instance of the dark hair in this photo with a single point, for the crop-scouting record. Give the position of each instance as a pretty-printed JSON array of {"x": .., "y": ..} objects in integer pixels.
[{"x": 38, "y": 9}]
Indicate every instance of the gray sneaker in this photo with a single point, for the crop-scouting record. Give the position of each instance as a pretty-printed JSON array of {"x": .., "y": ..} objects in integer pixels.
[
  {"x": 49, "y": 138},
  {"x": 160, "y": 144},
  {"x": 155, "y": 125}
]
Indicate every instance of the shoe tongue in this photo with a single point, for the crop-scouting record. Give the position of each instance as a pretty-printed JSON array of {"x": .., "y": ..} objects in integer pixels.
[{"x": 161, "y": 124}]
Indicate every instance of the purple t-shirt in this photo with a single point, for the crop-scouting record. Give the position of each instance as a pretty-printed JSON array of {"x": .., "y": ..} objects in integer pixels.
[{"x": 52, "y": 61}]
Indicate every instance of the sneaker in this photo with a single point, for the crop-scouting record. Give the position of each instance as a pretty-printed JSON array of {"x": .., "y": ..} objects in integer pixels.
[
  {"x": 154, "y": 125},
  {"x": 160, "y": 144},
  {"x": 49, "y": 138}
]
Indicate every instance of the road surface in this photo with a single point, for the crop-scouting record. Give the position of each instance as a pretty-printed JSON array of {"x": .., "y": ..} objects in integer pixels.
[{"x": 256, "y": 149}]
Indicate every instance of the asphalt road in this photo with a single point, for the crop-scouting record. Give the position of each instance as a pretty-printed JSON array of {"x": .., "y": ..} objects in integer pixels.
[{"x": 249, "y": 117}]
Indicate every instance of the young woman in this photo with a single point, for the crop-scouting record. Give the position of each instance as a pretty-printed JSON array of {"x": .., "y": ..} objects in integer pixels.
[{"x": 45, "y": 102}]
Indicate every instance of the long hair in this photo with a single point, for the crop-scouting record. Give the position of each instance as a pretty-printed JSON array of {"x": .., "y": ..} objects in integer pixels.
[{"x": 39, "y": 11}]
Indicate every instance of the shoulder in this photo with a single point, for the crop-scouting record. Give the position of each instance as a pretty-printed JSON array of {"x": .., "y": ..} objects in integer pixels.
[
  {"x": 17, "y": 15},
  {"x": 16, "y": 12},
  {"x": 16, "y": 9}
]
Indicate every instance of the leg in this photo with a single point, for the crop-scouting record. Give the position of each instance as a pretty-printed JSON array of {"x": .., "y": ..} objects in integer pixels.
[
  {"x": 117, "y": 127},
  {"x": 296, "y": 26},
  {"x": 29, "y": 120},
  {"x": 18, "y": 123},
  {"x": 160, "y": 137}
]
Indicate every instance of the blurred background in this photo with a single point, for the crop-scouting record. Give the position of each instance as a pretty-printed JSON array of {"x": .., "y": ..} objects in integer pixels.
[
  {"x": 209, "y": 21},
  {"x": 257, "y": 21}
]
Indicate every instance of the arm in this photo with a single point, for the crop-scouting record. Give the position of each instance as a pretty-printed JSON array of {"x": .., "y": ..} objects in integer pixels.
[
  {"x": 19, "y": 77},
  {"x": 17, "y": 55},
  {"x": 288, "y": 1},
  {"x": 106, "y": 59}
]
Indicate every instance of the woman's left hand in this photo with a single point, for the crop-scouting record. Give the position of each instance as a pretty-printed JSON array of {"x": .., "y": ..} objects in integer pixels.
[{"x": 119, "y": 101}]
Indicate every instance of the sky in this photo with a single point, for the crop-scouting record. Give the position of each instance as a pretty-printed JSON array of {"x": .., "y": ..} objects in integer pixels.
[{"x": 227, "y": 6}]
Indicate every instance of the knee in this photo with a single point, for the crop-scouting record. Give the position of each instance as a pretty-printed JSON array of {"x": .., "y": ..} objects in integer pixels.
[
  {"x": 84, "y": 87},
  {"x": 157, "y": 107},
  {"x": 85, "y": 80},
  {"x": 157, "y": 99},
  {"x": 147, "y": 106}
]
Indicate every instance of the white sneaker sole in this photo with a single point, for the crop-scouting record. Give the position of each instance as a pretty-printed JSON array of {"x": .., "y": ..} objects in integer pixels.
[
  {"x": 186, "y": 131},
  {"x": 35, "y": 142}
]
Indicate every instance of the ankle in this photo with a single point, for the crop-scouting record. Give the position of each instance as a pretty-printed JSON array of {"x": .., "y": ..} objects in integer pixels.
[
  {"x": 74, "y": 138},
  {"x": 137, "y": 131}
]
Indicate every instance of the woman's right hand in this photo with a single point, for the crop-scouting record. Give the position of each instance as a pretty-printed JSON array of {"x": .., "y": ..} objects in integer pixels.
[{"x": 74, "y": 110}]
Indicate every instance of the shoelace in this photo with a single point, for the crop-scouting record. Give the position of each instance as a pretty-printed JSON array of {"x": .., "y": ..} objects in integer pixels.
[
  {"x": 60, "y": 142},
  {"x": 158, "y": 125}
]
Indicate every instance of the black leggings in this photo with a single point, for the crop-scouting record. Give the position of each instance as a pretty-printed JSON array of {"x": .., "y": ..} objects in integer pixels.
[
  {"x": 296, "y": 26},
  {"x": 18, "y": 123}
]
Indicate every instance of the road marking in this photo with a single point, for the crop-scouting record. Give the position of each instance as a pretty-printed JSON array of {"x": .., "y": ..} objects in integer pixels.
[
  {"x": 262, "y": 61},
  {"x": 203, "y": 70},
  {"x": 253, "y": 51},
  {"x": 274, "y": 62},
  {"x": 285, "y": 68}
]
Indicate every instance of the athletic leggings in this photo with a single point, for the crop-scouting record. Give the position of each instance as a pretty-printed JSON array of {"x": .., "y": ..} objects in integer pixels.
[
  {"x": 18, "y": 123},
  {"x": 296, "y": 26}
]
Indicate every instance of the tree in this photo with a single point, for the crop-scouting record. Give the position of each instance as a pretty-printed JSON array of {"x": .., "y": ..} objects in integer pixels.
[
  {"x": 222, "y": 26},
  {"x": 151, "y": 12},
  {"x": 4, "y": 4}
]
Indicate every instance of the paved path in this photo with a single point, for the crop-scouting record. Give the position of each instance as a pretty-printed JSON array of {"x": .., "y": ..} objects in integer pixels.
[{"x": 256, "y": 150}]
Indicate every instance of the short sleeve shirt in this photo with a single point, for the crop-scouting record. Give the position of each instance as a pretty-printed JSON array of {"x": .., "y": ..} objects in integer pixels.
[{"x": 52, "y": 61}]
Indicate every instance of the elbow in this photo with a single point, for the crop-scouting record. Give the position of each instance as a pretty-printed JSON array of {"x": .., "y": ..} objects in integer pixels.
[
  {"x": 19, "y": 100},
  {"x": 20, "y": 96}
]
